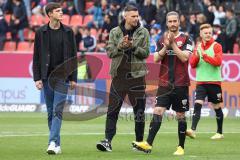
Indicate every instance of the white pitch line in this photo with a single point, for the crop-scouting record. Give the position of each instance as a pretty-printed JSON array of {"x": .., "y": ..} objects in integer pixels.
[{"x": 92, "y": 133}]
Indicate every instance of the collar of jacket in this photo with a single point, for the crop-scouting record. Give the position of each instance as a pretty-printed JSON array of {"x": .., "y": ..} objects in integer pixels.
[
  {"x": 208, "y": 44},
  {"x": 122, "y": 26},
  {"x": 65, "y": 28}
]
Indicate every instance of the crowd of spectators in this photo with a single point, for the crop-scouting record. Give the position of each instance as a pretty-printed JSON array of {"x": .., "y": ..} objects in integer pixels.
[{"x": 92, "y": 20}]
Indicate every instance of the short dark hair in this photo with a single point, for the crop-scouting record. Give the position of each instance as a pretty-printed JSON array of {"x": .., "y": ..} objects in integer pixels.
[
  {"x": 130, "y": 8},
  {"x": 51, "y": 6}
]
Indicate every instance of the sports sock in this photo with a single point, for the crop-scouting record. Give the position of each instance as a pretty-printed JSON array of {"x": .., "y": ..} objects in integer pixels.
[
  {"x": 154, "y": 127},
  {"x": 196, "y": 115},
  {"x": 219, "y": 118}
]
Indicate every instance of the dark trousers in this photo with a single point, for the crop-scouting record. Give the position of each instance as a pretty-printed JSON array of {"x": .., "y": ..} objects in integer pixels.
[
  {"x": 229, "y": 44},
  {"x": 135, "y": 89}
]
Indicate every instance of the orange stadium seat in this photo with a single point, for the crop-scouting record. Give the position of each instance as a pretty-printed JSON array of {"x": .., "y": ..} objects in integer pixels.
[
  {"x": 66, "y": 19},
  {"x": 46, "y": 19},
  {"x": 37, "y": 20},
  {"x": 9, "y": 46},
  {"x": 87, "y": 19},
  {"x": 76, "y": 20},
  {"x": 24, "y": 46}
]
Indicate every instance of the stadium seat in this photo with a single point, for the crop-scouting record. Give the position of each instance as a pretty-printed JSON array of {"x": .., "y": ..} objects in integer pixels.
[
  {"x": 76, "y": 20},
  {"x": 46, "y": 19},
  {"x": 66, "y": 19},
  {"x": 32, "y": 47},
  {"x": 236, "y": 48},
  {"x": 24, "y": 46},
  {"x": 9, "y": 46},
  {"x": 37, "y": 20},
  {"x": 28, "y": 34},
  {"x": 87, "y": 19},
  {"x": 31, "y": 35}
]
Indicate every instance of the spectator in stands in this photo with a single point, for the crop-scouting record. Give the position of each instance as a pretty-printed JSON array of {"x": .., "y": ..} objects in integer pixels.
[
  {"x": 208, "y": 11},
  {"x": 89, "y": 41},
  {"x": 148, "y": 13},
  {"x": 113, "y": 13},
  {"x": 184, "y": 24},
  {"x": 219, "y": 36},
  {"x": 28, "y": 7},
  {"x": 2, "y": 2},
  {"x": 105, "y": 30},
  {"x": 19, "y": 20},
  {"x": 183, "y": 6},
  {"x": 105, "y": 7},
  {"x": 219, "y": 15},
  {"x": 231, "y": 30},
  {"x": 161, "y": 13},
  {"x": 68, "y": 7},
  {"x": 193, "y": 26},
  {"x": 201, "y": 19},
  {"x": 78, "y": 36},
  {"x": 80, "y": 6},
  {"x": 155, "y": 35},
  {"x": 97, "y": 13},
  {"x": 3, "y": 30}
]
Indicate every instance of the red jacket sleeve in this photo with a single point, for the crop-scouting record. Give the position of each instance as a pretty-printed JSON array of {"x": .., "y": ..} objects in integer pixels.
[
  {"x": 217, "y": 59},
  {"x": 194, "y": 59}
]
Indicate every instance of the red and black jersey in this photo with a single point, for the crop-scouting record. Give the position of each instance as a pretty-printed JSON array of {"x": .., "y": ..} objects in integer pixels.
[{"x": 172, "y": 70}]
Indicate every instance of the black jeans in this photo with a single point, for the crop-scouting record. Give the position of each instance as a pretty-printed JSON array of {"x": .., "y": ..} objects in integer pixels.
[{"x": 135, "y": 89}]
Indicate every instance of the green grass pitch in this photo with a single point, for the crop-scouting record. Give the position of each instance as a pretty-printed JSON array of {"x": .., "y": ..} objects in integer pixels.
[{"x": 23, "y": 136}]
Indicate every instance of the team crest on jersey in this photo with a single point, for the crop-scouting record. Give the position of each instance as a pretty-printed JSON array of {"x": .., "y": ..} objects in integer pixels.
[
  {"x": 184, "y": 102},
  {"x": 219, "y": 95},
  {"x": 179, "y": 43},
  {"x": 170, "y": 52}
]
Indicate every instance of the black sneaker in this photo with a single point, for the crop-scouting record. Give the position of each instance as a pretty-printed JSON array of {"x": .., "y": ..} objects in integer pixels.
[{"x": 104, "y": 146}]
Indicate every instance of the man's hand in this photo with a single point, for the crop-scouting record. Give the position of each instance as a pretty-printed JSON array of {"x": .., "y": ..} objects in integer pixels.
[
  {"x": 39, "y": 84},
  {"x": 73, "y": 85},
  {"x": 171, "y": 37},
  {"x": 166, "y": 41},
  {"x": 125, "y": 43}
]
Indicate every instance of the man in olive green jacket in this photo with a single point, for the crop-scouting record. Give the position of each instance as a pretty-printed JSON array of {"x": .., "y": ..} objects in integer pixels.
[{"x": 128, "y": 47}]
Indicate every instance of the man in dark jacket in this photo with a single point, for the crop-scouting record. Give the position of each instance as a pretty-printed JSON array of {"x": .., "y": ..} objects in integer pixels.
[
  {"x": 54, "y": 61},
  {"x": 128, "y": 47},
  {"x": 19, "y": 19}
]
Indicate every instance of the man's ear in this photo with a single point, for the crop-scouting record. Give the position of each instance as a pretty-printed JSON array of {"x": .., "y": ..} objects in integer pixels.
[{"x": 49, "y": 13}]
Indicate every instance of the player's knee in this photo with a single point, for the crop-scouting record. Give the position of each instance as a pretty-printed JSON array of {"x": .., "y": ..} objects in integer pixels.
[
  {"x": 180, "y": 116},
  {"x": 181, "y": 119},
  {"x": 216, "y": 106},
  {"x": 158, "y": 111},
  {"x": 199, "y": 102}
]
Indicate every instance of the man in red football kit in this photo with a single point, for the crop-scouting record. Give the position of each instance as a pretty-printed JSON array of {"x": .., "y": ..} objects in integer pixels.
[
  {"x": 173, "y": 51},
  {"x": 207, "y": 60}
]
